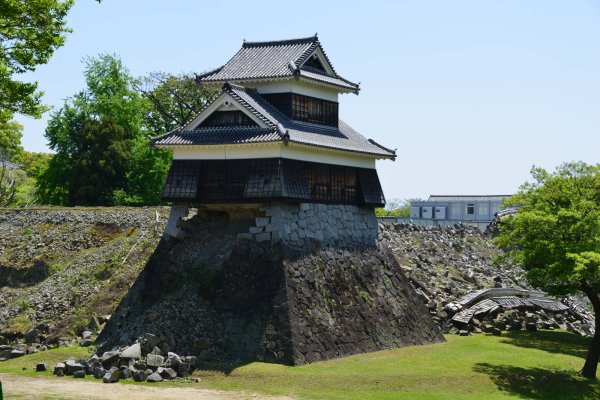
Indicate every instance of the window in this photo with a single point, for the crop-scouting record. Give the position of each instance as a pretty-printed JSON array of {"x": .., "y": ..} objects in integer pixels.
[
  {"x": 315, "y": 110},
  {"x": 470, "y": 209},
  {"x": 456, "y": 211},
  {"x": 483, "y": 209},
  {"x": 228, "y": 118},
  {"x": 242, "y": 180}
]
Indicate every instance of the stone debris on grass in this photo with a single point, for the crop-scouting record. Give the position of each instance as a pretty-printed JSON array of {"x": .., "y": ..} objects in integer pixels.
[{"x": 131, "y": 362}]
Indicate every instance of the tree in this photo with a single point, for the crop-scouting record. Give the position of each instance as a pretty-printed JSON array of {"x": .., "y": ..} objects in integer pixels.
[
  {"x": 34, "y": 164},
  {"x": 171, "y": 102},
  {"x": 101, "y": 163},
  {"x": 11, "y": 133},
  {"x": 396, "y": 208},
  {"x": 555, "y": 237},
  {"x": 7, "y": 183},
  {"x": 30, "y": 31},
  {"x": 174, "y": 100},
  {"x": 107, "y": 113}
]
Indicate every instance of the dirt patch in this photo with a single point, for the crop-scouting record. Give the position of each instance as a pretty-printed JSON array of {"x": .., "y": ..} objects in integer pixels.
[{"x": 67, "y": 388}]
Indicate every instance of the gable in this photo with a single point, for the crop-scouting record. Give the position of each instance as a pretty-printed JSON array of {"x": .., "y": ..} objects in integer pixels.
[
  {"x": 317, "y": 61},
  {"x": 224, "y": 111}
]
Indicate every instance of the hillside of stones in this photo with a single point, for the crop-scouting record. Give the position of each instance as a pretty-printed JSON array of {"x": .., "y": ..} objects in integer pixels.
[{"x": 61, "y": 267}]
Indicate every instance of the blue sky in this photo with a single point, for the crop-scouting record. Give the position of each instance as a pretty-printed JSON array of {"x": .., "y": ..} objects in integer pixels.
[{"x": 471, "y": 93}]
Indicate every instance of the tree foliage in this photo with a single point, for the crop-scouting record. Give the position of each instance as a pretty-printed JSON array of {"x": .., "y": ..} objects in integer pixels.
[
  {"x": 555, "y": 236},
  {"x": 93, "y": 132},
  {"x": 11, "y": 133},
  {"x": 396, "y": 208},
  {"x": 30, "y": 31},
  {"x": 174, "y": 100},
  {"x": 116, "y": 110}
]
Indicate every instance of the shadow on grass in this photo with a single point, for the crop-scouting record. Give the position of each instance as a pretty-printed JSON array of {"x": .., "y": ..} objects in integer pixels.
[
  {"x": 538, "y": 383},
  {"x": 550, "y": 341}
]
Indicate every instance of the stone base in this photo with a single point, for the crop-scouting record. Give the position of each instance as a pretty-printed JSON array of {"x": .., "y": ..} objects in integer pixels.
[{"x": 225, "y": 298}]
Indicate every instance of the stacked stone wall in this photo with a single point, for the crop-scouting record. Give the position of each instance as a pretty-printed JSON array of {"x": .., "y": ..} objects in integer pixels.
[{"x": 328, "y": 224}]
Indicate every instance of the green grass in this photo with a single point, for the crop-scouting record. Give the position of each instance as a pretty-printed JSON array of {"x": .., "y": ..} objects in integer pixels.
[
  {"x": 526, "y": 365},
  {"x": 539, "y": 365}
]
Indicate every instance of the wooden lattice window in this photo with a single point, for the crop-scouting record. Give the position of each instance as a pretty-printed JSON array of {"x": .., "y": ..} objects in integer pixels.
[
  {"x": 228, "y": 118},
  {"x": 311, "y": 109},
  {"x": 182, "y": 180}
]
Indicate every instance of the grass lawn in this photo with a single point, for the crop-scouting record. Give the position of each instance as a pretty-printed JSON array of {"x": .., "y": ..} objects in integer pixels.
[{"x": 538, "y": 365}]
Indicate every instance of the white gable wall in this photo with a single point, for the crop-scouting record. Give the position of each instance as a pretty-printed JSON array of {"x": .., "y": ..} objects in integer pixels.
[
  {"x": 294, "y": 86},
  {"x": 272, "y": 150}
]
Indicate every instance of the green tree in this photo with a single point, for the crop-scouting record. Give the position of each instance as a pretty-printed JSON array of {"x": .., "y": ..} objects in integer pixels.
[
  {"x": 171, "y": 101},
  {"x": 174, "y": 100},
  {"x": 11, "y": 133},
  {"x": 30, "y": 31},
  {"x": 34, "y": 164},
  {"x": 396, "y": 208},
  {"x": 555, "y": 237},
  {"x": 7, "y": 183},
  {"x": 100, "y": 164},
  {"x": 108, "y": 106}
]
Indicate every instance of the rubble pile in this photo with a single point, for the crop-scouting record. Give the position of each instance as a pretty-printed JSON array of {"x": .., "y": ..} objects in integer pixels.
[
  {"x": 147, "y": 360},
  {"x": 447, "y": 265}
]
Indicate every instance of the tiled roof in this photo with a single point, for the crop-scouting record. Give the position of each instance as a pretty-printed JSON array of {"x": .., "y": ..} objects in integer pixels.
[
  {"x": 281, "y": 128},
  {"x": 217, "y": 135},
  {"x": 276, "y": 59}
]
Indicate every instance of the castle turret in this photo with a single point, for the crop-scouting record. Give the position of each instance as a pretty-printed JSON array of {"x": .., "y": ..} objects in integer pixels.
[{"x": 274, "y": 135}]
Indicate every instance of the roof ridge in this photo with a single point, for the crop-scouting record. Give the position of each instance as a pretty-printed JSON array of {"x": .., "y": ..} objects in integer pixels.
[{"x": 284, "y": 42}]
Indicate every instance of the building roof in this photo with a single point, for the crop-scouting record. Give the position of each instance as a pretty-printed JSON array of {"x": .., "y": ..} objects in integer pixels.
[
  {"x": 279, "y": 60},
  {"x": 494, "y": 197},
  {"x": 280, "y": 128}
]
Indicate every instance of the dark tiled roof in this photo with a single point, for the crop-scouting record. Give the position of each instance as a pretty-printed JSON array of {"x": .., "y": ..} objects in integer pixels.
[
  {"x": 217, "y": 135},
  {"x": 281, "y": 128},
  {"x": 276, "y": 59}
]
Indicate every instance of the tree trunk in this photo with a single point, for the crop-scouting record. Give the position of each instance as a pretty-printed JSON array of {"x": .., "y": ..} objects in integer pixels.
[{"x": 591, "y": 361}]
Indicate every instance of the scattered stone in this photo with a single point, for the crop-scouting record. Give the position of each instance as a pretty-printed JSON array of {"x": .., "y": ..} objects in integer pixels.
[
  {"x": 99, "y": 372},
  {"x": 168, "y": 373},
  {"x": 79, "y": 374},
  {"x": 73, "y": 366},
  {"x": 111, "y": 376},
  {"x": 86, "y": 335},
  {"x": 463, "y": 333},
  {"x": 153, "y": 360},
  {"x": 531, "y": 326},
  {"x": 59, "y": 369},
  {"x": 17, "y": 353},
  {"x": 109, "y": 358},
  {"x": 154, "y": 377},
  {"x": 41, "y": 367},
  {"x": 132, "y": 352}
]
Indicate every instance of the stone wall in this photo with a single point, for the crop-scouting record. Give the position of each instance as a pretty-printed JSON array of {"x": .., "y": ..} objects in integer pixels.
[
  {"x": 344, "y": 302},
  {"x": 329, "y": 224},
  {"x": 269, "y": 300}
]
